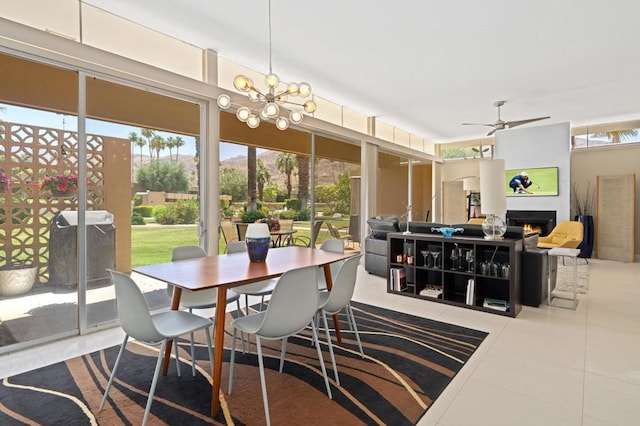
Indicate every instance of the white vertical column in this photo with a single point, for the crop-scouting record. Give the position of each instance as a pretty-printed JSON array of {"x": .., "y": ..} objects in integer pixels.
[{"x": 210, "y": 160}]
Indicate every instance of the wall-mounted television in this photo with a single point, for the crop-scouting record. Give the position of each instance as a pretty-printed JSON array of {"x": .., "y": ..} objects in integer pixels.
[{"x": 539, "y": 181}]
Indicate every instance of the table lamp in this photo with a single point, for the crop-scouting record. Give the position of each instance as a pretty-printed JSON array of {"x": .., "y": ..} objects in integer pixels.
[
  {"x": 494, "y": 201},
  {"x": 258, "y": 239}
]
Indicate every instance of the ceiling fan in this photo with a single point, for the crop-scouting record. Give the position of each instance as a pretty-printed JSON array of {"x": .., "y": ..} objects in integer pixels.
[{"x": 501, "y": 124}]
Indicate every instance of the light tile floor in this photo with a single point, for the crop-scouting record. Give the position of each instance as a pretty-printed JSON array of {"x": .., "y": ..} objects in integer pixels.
[{"x": 549, "y": 366}]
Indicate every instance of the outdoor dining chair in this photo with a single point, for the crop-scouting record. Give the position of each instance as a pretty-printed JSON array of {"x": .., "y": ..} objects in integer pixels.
[
  {"x": 228, "y": 231},
  {"x": 309, "y": 241},
  {"x": 335, "y": 233},
  {"x": 138, "y": 323},
  {"x": 291, "y": 309}
]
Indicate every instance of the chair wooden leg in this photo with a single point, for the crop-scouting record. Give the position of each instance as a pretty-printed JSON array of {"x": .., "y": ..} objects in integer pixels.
[
  {"x": 263, "y": 382},
  {"x": 333, "y": 357},
  {"x": 113, "y": 372},
  {"x": 154, "y": 382}
]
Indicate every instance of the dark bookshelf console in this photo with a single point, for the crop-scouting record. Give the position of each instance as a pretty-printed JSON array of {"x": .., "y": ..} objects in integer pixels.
[{"x": 468, "y": 272}]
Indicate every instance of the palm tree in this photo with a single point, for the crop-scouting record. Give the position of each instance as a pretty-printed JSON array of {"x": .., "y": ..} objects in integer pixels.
[
  {"x": 262, "y": 177},
  {"x": 138, "y": 141},
  {"x": 158, "y": 145},
  {"x": 178, "y": 141},
  {"x": 148, "y": 134},
  {"x": 303, "y": 179},
  {"x": 251, "y": 177},
  {"x": 286, "y": 162},
  {"x": 171, "y": 143},
  {"x": 618, "y": 136}
]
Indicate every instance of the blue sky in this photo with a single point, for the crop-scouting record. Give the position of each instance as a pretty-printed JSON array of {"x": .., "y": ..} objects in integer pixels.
[{"x": 17, "y": 114}]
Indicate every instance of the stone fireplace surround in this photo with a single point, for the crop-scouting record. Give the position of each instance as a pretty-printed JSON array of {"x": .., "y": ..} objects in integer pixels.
[{"x": 545, "y": 220}]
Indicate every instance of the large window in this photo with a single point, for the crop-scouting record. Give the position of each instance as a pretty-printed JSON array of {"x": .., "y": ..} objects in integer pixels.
[
  {"x": 137, "y": 172},
  {"x": 606, "y": 138}
]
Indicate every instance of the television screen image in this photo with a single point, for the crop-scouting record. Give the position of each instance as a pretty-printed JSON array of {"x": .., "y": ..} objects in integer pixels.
[{"x": 540, "y": 181}]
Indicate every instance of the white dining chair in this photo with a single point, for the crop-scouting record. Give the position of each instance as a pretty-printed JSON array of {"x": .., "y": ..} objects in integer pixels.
[
  {"x": 291, "y": 309},
  {"x": 260, "y": 288},
  {"x": 139, "y": 324},
  {"x": 332, "y": 302},
  {"x": 203, "y": 299},
  {"x": 332, "y": 245}
]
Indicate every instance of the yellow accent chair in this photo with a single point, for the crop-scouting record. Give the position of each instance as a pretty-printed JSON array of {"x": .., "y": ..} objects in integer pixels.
[{"x": 567, "y": 234}]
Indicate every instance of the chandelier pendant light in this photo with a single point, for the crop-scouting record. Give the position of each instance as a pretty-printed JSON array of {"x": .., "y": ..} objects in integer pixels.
[{"x": 265, "y": 104}]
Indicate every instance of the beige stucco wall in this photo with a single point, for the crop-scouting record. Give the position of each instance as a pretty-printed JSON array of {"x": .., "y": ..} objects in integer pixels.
[{"x": 622, "y": 159}]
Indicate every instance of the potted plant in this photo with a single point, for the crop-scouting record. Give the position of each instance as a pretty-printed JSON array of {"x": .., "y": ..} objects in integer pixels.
[
  {"x": 60, "y": 185},
  {"x": 583, "y": 207}
]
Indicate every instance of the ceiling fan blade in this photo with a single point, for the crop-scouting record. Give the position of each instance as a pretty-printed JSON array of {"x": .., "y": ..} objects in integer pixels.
[
  {"x": 491, "y": 132},
  {"x": 477, "y": 124},
  {"x": 521, "y": 122}
]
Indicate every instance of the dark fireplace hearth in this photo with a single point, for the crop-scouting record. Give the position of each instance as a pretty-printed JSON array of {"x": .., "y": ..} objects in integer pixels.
[{"x": 533, "y": 221}]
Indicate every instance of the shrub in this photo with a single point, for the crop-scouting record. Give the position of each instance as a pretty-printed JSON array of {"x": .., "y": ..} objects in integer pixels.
[
  {"x": 251, "y": 216},
  {"x": 137, "y": 200},
  {"x": 186, "y": 211},
  {"x": 328, "y": 211},
  {"x": 137, "y": 219},
  {"x": 288, "y": 214},
  {"x": 182, "y": 212},
  {"x": 303, "y": 215},
  {"x": 144, "y": 211},
  {"x": 228, "y": 211},
  {"x": 293, "y": 204},
  {"x": 161, "y": 214}
]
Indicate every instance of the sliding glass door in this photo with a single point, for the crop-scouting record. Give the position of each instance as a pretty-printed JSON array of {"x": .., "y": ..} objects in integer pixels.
[{"x": 94, "y": 175}]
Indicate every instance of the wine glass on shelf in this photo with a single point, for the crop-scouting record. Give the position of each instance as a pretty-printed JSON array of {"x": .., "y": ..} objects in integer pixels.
[
  {"x": 469, "y": 258},
  {"x": 435, "y": 255},
  {"x": 425, "y": 254},
  {"x": 454, "y": 256}
]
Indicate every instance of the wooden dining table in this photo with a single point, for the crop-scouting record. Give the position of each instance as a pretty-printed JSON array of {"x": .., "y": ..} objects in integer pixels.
[{"x": 232, "y": 270}]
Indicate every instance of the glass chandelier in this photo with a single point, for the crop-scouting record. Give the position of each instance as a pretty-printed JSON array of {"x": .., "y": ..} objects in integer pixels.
[{"x": 265, "y": 104}]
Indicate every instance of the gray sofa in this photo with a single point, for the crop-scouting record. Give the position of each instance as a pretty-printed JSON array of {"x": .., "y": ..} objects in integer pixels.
[{"x": 375, "y": 245}]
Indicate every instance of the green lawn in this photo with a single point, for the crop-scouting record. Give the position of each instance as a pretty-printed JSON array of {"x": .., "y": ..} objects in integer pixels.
[{"x": 153, "y": 244}]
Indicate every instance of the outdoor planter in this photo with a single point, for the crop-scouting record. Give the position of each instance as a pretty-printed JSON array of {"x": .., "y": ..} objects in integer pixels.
[{"x": 17, "y": 279}]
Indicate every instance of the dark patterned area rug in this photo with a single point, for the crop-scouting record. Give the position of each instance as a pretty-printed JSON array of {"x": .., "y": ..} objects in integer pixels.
[{"x": 408, "y": 362}]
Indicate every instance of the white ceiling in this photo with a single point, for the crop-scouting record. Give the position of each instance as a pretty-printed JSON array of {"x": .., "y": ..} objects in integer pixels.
[{"x": 426, "y": 66}]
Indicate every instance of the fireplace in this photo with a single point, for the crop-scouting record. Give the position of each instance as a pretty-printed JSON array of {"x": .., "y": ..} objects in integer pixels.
[{"x": 533, "y": 221}]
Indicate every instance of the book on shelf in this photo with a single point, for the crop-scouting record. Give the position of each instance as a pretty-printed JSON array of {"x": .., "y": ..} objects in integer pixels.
[
  {"x": 471, "y": 292},
  {"x": 398, "y": 281},
  {"x": 435, "y": 292},
  {"x": 497, "y": 304}
]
